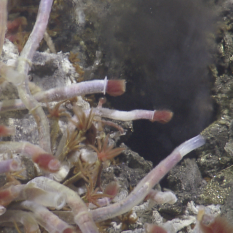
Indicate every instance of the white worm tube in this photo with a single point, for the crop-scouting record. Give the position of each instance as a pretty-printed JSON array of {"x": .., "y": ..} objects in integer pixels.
[
  {"x": 148, "y": 182},
  {"x": 9, "y": 165},
  {"x": 158, "y": 197},
  {"x": 42, "y": 197},
  {"x": 83, "y": 88},
  {"x": 62, "y": 93},
  {"x": 82, "y": 216},
  {"x": 9, "y": 194},
  {"x": 161, "y": 116},
  {"x": 48, "y": 220},
  {"x": 38, "y": 155}
]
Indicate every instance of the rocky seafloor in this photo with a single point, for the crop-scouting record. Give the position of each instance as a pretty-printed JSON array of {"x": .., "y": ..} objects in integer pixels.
[{"x": 204, "y": 178}]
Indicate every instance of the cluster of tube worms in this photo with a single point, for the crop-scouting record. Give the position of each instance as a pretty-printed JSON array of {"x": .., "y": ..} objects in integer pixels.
[{"x": 80, "y": 149}]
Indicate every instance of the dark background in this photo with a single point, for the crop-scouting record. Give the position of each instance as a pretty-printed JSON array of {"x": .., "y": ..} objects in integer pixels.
[{"x": 163, "y": 49}]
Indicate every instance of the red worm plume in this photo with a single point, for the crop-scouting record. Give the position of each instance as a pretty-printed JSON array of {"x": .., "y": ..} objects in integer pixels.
[
  {"x": 219, "y": 225},
  {"x": 115, "y": 87},
  {"x": 47, "y": 162},
  {"x": 7, "y": 195},
  {"x": 162, "y": 116},
  {"x": 6, "y": 131}
]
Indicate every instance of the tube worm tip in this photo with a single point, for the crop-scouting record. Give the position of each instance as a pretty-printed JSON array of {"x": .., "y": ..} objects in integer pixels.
[
  {"x": 68, "y": 230},
  {"x": 152, "y": 228},
  {"x": 6, "y": 131},
  {"x": 162, "y": 116},
  {"x": 112, "y": 189},
  {"x": 60, "y": 201},
  {"x": 14, "y": 166},
  {"x": 47, "y": 162},
  {"x": 54, "y": 165},
  {"x": 190, "y": 145},
  {"x": 115, "y": 87}
]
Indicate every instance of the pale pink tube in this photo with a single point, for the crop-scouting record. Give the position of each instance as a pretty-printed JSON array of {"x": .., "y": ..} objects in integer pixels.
[
  {"x": 31, "y": 192},
  {"x": 48, "y": 220},
  {"x": 62, "y": 93},
  {"x": 36, "y": 36},
  {"x": 9, "y": 194},
  {"x": 22, "y": 68},
  {"x": 148, "y": 182},
  {"x": 9, "y": 165},
  {"x": 82, "y": 88},
  {"x": 162, "y": 116},
  {"x": 82, "y": 216},
  {"x": 38, "y": 155}
]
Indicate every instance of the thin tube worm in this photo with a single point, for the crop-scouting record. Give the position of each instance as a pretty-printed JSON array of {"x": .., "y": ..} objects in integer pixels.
[
  {"x": 45, "y": 161},
  {"x": 101, "y": 202},
  {"x": 83, "y": 88},
  {"x": 82, "y": 216},
  {"x": 148, "y": 182},
  {"x": 35, "y": 37},
  {"x": 9, "y": 194},
  {"x": 9, "y": 165},
  {"x": 162, "y": 116},
  {"x": 49, "y": 42},
  {"x": 48, "y": 220},
  {"x": 49, "y": 199},
  {"x": 151, "y": 228},
  {"x": 23, "y": 89},
  {"x": 3, "y": 22},
  {"x": 36, "y": 110},
  {"x": 26, "y": 218},
  {"x": 62, "y": 93},
  {"x": 6, "y": 131}
]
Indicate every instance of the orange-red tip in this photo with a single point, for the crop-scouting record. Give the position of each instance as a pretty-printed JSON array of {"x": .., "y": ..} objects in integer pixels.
[
  {"x": 116, "y": 87},
  {"x": 47, "y": 162},
  {"x": 219, "y": 225},
  {"x": 112, "y": 189},
  {"x": 152, "y": 228},
  {"x": 68, "y": 230},
  {"x": 163, "y": 116},
  {"x": 6, "y": 131}
]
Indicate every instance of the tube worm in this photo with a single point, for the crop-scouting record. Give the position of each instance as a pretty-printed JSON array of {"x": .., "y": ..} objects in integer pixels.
[
  {"x": 36, "y": 36},
  {"x": 82, "y": 216},
  {"x": 148, "y": 182},
  {"x": 212, "y": 224},
  {"x": 45, "y": 161},
  {"x": 6, "y": 131},
  {"x": 9, "y": 194},
  {"x": 62, "y": 93},
  {"x": 48, "y": 220},
  {"x": 49, "y": 42},
  {"x": 22, "y": 69},
  {"x": 152, "y": 228},
  {"x": 163, "y": 116},
  {"x": 49, "y": 199},
  {"x": 83, "y": 88}
]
